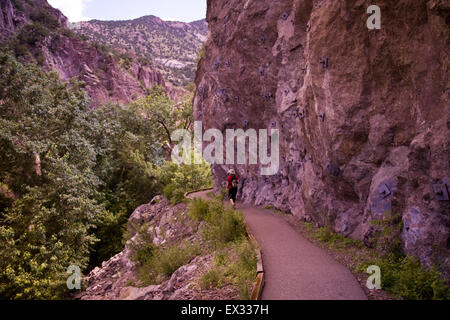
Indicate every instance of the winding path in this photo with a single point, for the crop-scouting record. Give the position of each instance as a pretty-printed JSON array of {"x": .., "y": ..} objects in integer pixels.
[{"x": 295, "y": 269}]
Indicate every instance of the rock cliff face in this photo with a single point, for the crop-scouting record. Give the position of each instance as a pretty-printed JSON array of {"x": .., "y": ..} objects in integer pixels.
[
  {"x": 364, "y": 115},
  {"x": 15, "y": 14},
  {"x": 38, "y": 32},
  {"x": 105, "y": 79}
]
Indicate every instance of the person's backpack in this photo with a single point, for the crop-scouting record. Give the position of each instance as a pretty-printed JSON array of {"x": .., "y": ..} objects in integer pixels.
[{"x": 234, "y": 182}]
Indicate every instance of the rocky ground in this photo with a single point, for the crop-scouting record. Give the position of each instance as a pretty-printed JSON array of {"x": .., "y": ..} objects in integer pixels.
[{"x": 116, "y": 278}]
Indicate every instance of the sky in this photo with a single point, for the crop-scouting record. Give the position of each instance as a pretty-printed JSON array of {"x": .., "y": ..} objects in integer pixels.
[{"x": 170, "y": 10}]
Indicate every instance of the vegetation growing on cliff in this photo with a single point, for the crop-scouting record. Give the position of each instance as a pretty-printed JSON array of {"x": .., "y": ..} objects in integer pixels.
[
  {"x": 171, "y": 46},
  {"x": 405, "y": 277},
  {"x": 235, "y": 258},
  {"x": 401, "y": 276},
  {"x": 154, "y": 264},
  {"x": 220, "y": 235}
]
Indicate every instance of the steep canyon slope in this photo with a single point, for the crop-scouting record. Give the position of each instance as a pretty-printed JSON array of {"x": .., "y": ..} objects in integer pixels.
[
  {"x": 39, "y": 33},
  {"x": 171, "y": 47},
  {"x": 364, "y": 115}
]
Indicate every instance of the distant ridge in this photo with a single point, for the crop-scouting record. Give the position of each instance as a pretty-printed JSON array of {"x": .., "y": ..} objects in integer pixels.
[
  {"x": 38, "y": 33},
  {"x": 172, "y": 47}
]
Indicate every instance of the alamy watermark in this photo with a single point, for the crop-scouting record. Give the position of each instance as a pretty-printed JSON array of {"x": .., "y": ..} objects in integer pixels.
[
  {"x": 74, "y": 280},
  {"x": 235, "y": 142},
  {"x": 374, "y": 281},
  {"x": 374, "y": 21}
]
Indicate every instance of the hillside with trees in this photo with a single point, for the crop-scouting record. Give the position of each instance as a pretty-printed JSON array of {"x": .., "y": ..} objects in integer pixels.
[
  {"x": 171, "y": 47},
  {"x": 71, "y": 176}
]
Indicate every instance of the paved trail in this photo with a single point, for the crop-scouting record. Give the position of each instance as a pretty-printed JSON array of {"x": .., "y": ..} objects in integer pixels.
[{"x": 295, "y": 269}]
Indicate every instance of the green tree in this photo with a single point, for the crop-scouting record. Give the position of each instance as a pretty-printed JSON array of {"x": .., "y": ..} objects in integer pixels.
[
  {"x": 159, "y": 109},
  {"x": 47, "y": 163},
  {"x": 179, "y": 179}
]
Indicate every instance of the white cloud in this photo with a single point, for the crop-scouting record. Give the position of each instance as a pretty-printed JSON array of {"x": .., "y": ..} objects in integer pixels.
[{"x": 72, "y": 9}]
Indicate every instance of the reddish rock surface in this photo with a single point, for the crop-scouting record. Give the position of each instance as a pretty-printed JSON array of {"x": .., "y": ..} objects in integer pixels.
[
  {"x": 116, "y": 279},
  {"x": 385, "y": 100},
  {"x": 105, "y": 79}
]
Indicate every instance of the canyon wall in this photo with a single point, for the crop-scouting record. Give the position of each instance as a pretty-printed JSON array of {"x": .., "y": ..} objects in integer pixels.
[
  {"x": 364, "y": 115},
  {"x": 171, "y": 47},
  {"x": 38, "y": 33}
]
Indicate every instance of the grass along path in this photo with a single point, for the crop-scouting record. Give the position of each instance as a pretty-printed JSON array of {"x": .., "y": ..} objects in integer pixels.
[{"x": 296, "y": 269}]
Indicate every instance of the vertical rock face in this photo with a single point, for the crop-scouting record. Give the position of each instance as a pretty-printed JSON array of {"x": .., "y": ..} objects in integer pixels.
[
  {"x": 6, "y": 17},
  {"x": 364, "y": 115},
  {"x": 15, "y": 14},
  {"x": 105, "y": 79}
]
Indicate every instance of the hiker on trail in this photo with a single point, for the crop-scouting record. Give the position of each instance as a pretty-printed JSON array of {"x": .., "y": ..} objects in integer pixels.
[{"x": 232, "y": 186}]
